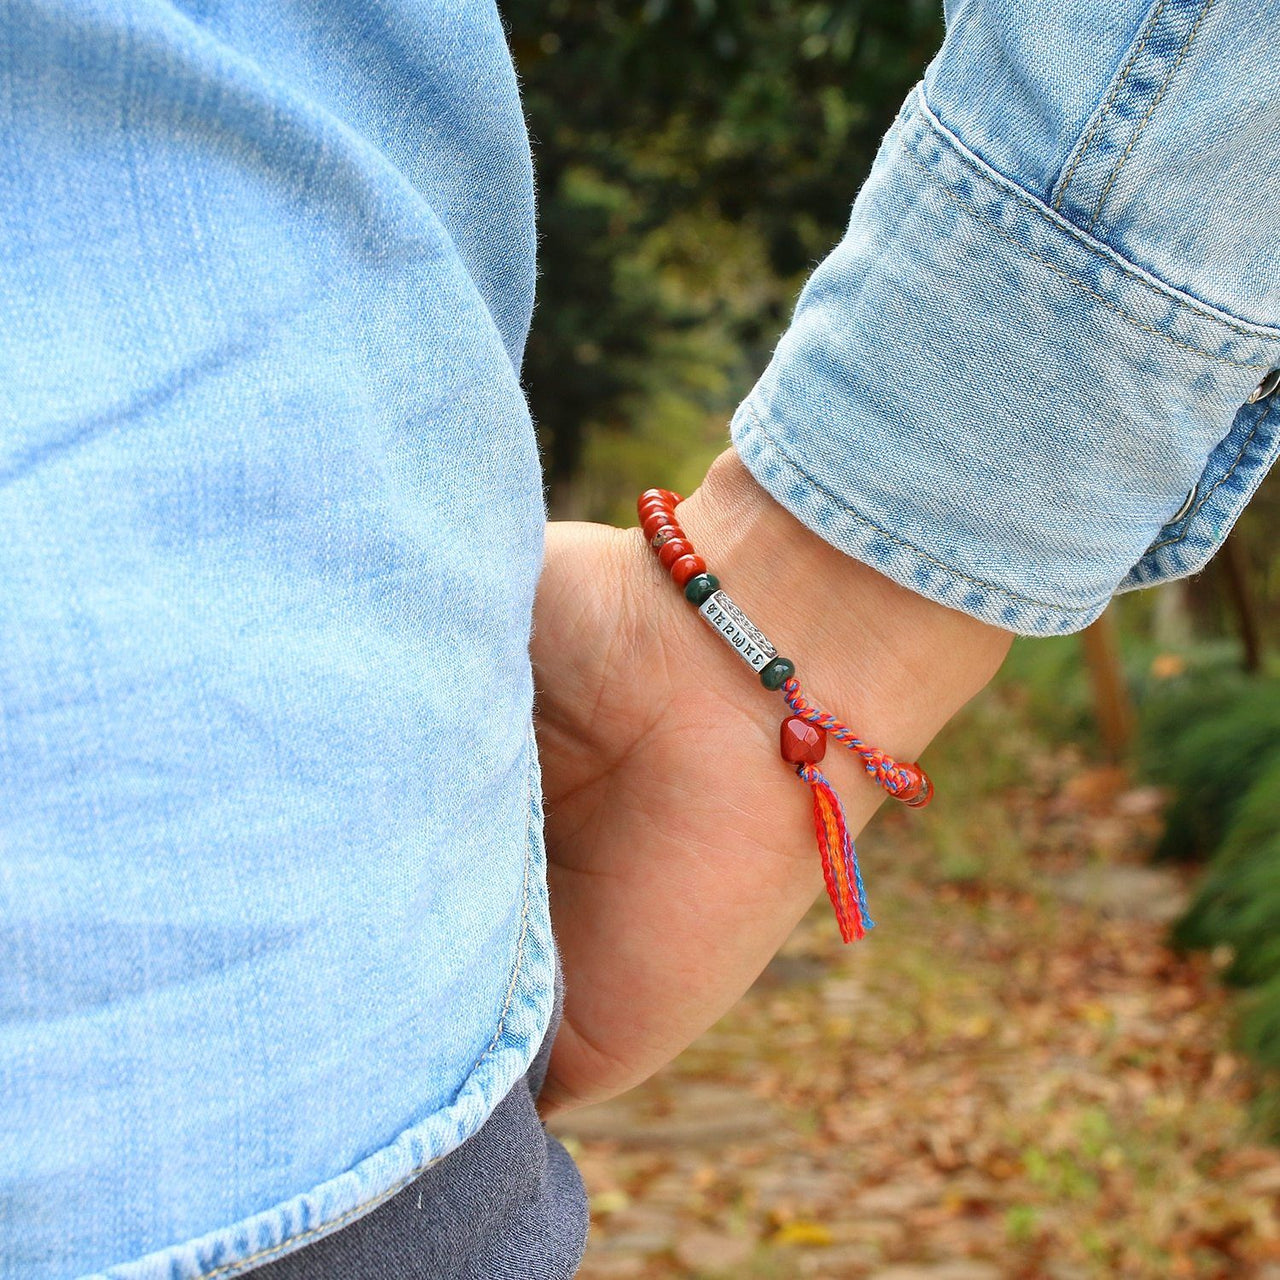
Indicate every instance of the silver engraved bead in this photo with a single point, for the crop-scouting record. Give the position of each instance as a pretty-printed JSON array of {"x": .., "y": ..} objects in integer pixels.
[{"x": 748, "y": 641}]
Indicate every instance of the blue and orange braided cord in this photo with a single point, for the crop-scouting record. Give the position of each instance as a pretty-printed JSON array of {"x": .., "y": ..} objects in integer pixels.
[{"x": 908, "y": 783}]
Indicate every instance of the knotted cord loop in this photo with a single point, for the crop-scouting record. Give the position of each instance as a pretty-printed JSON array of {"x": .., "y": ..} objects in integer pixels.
[{"x": 908, "y": 783}]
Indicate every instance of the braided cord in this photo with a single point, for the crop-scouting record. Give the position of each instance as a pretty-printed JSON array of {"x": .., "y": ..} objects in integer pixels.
[{"x": 883, "y": 769}]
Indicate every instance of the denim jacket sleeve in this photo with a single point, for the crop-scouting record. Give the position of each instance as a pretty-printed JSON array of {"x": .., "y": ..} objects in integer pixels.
[{"x": 1036, "y": 369}]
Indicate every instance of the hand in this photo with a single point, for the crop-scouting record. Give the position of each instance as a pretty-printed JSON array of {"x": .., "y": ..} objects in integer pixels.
[{"x": 680, "y": 846}]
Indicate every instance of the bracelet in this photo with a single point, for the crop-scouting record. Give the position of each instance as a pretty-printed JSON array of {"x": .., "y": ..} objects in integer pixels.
[{"x": 803, "y": 734}]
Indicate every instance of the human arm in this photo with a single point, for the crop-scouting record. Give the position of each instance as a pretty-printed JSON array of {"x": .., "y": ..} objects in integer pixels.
[
  {"x": 1038, "y": 336},
  {"x": 680, "y": 846}
]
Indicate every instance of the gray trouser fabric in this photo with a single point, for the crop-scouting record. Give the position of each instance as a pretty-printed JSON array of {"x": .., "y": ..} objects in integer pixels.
[{"x": 508, "y": 1204}]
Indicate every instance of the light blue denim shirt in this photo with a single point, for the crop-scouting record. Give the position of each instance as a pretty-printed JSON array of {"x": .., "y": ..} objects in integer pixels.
[
  {"x": 273, "y": 917},
  {"x": 1021, "y": 381}
]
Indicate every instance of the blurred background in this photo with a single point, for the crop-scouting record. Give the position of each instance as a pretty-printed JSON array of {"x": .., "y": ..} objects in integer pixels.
[{"x": 1057, "y": 1056}]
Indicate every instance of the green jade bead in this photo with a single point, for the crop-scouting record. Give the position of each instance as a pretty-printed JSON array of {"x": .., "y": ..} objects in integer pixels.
[
  {"x": 776, "y": 672},
  {"x": 700, "y": 587}
]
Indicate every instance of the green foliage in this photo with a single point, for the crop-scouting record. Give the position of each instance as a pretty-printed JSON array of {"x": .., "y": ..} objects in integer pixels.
[
  {"x": 1239, "y": 902},
  {"x": 1047, "y": 677},
  {"x": 1259, "y": 1031},
  {"x": 1206, "y": 736},
  {"x": 1217, "y": 743},
  {"x": 694, "y": 161}
]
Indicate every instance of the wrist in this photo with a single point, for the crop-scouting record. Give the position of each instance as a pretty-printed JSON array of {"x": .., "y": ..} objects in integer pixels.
[{"x": 892, "y": 662}]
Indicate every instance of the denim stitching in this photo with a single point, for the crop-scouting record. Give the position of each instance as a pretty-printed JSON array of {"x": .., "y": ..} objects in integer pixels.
[
  {"x": 518, "y": 963},
  {"x": 1155, "y": 102},
  {"x": 1070, "y": 279},
  {"x": 1195, "y": 511},
  {"x": 957, "y": 151},
  {"x": 326, "y": 1226},
  {"x": 1148, "y": 28},
  {"x": 748, "y": 408}
]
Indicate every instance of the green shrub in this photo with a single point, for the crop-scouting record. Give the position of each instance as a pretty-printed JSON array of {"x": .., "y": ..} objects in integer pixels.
[
  {"x": 1239, "y": 902},
  {"x": 1206, "y": 737},
  {"x": 1259, "y": 1031},
  {"x": 1218, "y": 744}
]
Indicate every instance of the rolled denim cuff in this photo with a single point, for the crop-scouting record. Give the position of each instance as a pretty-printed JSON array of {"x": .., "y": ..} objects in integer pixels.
[{"x": 995, "y": 409}]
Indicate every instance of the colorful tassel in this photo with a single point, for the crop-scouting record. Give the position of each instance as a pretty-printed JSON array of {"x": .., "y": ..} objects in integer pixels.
[{"x": 839, "y": 858}]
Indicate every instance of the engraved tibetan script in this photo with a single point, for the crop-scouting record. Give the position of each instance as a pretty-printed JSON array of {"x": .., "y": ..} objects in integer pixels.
[{"x": 738, "y": 630}]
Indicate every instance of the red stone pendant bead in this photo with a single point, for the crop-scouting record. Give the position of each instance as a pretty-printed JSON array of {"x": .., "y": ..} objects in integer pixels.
[{"x": 802, "y": 742}]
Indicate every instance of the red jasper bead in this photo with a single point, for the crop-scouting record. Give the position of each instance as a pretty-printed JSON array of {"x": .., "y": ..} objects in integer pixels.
[
  {"x": 801, "y": 742},
  {"x": 671, "y": 551},
  {"x": 665, "y": 534},
  {"x": 687, "y": 567},
  {"x": 652, "y": 500},
  {"x": 648, "y": 509},
  {"x": 654, "y": 521}
]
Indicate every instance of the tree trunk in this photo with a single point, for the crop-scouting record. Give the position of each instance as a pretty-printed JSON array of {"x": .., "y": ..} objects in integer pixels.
[
  {"x": 1111, "y": 703},
  {"x": 1236, "y": 572}
]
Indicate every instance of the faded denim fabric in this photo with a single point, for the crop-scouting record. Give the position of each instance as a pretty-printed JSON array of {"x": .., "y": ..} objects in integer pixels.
[
  {"x": 1020, "y": 382},
  {"x": 273, "y": 917},
  {"x": 508, "y": 1204},
  {"x": 273, "y": 920}
]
